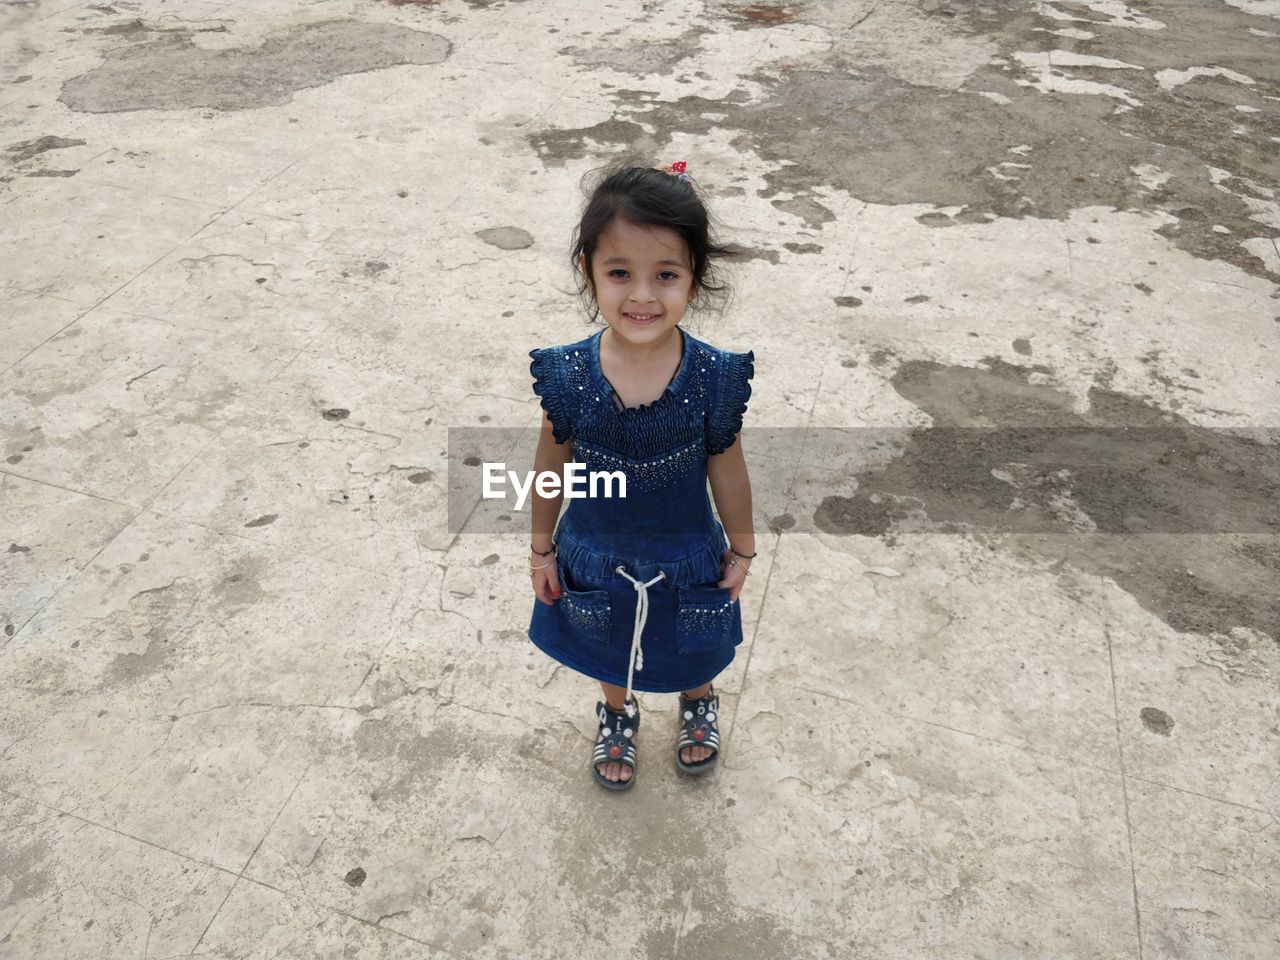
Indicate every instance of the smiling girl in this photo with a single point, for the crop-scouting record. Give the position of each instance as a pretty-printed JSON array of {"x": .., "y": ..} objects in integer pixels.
[{"x": 641, "y": 593}]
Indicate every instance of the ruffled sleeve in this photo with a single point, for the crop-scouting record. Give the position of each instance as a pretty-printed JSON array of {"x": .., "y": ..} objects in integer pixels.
[
  {"x": 547, "y": 385},
  {"x": 733, "y": 388}
]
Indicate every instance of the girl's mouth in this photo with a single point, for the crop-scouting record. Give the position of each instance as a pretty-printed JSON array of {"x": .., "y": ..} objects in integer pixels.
[{"x": 641, "y": 317}]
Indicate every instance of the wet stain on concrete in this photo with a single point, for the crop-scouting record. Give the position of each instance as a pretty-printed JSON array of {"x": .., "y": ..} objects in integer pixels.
[
  {"x": 241, "y": 589},
  {"x": 1157, "y": 721},
  {"x": 27, "y": 858},
  {"x": 637, "y": 54},
  {"x": 161, "y": 615},
  {"x": 264, "y": 521},
  {"x": 137, "y": 28},
  {"x": 26, "y": 149},
  {"x": 169, "y": 72},
  {"x": 745, "y": 253},
  {"x": 1180, "y": 516},
  {"x": 858, "y": 129},
  {"x": 506, "y": 238}
]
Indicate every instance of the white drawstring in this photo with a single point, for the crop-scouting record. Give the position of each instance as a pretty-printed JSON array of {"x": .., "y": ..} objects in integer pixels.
[{"x": 636, "y": 658}]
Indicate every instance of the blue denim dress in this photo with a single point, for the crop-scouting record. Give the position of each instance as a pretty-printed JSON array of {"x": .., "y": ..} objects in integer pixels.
[{"x": 639, "y": 607}]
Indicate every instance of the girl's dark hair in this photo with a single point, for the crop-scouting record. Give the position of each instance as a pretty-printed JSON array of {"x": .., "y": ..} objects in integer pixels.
[{"x": 641, "y": 195}]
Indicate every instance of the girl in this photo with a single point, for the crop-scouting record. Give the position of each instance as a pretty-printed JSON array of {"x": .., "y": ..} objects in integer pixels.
[{"x": 641, "y": 592}]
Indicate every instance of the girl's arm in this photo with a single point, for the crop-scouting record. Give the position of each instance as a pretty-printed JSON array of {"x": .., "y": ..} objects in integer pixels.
[
  {"x": 731, "y": 490},
  {"x": 546, "y": 510}
]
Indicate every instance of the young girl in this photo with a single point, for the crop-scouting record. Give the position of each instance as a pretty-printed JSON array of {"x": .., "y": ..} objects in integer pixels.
[{"x": 641, "y": 592}]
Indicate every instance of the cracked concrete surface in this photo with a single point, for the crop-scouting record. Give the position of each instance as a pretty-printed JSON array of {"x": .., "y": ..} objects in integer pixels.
[{"x": 1009, "y": 687}]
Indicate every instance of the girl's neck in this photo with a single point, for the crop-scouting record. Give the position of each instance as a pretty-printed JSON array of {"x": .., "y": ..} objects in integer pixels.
[{"x": 639, "y": 354}]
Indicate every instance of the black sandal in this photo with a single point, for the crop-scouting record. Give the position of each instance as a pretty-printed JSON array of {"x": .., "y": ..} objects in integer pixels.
[
  {"x": 615, "y": 743},
  {"x": 698, "y": 729}
]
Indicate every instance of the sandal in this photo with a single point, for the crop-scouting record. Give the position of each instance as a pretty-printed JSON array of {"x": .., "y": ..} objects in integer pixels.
[
  {"x": 615, "y": 744},
  {"x": 698, "y": 729}
]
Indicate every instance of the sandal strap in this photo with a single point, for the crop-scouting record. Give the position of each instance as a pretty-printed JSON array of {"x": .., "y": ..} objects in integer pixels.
[
  {"x": 703, "y": 713},
  {"x": 618, "y": 736}
]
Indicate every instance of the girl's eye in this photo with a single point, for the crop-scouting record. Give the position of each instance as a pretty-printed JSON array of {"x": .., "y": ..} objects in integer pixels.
[{"x": 665, "y": 273}]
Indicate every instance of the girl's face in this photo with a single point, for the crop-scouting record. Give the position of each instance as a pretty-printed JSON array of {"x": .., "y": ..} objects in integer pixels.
[{"x": 638, "y": 273}]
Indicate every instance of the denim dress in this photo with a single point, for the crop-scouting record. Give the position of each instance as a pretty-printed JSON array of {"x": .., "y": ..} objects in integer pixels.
[{"x": 639, "y": 607}]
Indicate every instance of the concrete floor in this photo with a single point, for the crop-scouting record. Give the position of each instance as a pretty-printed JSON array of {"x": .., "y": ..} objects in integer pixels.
[{"x": 1009, "y": 687}]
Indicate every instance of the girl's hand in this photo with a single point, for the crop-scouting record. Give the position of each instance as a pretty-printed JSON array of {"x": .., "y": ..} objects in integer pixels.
[
  {"x": 732, "y": 575},
  {"x": 546, "y": 585}
]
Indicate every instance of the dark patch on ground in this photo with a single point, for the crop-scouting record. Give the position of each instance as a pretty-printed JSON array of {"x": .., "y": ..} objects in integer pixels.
[
  {"x": 1182, "y": 517},
  {"x": 746, "y": 253},
  {"x": 264, "y": 521},
  {"x": 28, "y": 857},
  {"x": 846, "y": 126},
  {"x": 136, "y": 28},
  {"x": 169, "y": 72},
  {"x": 848, "y": 301},
  {"x": 53, "y": 173},
  {"x": 765, "y": 13},
  {"x": 169, "y": 614},
  {"x": 506, "y": 238},
  {"x": 1157, "y": 721},
  {"x": 638, "y": 53},
  {"x": 26, "y": 149}
]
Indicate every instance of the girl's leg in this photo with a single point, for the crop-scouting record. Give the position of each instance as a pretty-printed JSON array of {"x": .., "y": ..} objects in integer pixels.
[{"x": 616, "y": 698}]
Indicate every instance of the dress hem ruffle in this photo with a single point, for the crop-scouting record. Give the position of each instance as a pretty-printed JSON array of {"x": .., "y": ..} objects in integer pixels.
[{"x": 638, "y": 683}]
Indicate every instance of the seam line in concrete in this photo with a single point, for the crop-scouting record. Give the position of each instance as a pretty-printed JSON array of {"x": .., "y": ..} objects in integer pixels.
[{"x": 1124, "y": 788}]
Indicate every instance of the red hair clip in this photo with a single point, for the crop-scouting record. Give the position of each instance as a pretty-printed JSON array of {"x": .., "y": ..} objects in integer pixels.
[{"x": 676, "y": 170}]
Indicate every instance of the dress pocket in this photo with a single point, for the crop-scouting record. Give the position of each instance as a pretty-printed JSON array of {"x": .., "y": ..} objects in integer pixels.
[
  {"x": 706, "y": 618},
  {"x": 587, "y": 611}
]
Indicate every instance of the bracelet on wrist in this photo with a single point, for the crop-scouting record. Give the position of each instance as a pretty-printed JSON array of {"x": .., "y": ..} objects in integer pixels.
[
  {"x": 744, "y": 556},
  {"x": 532, "y": 549}
]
